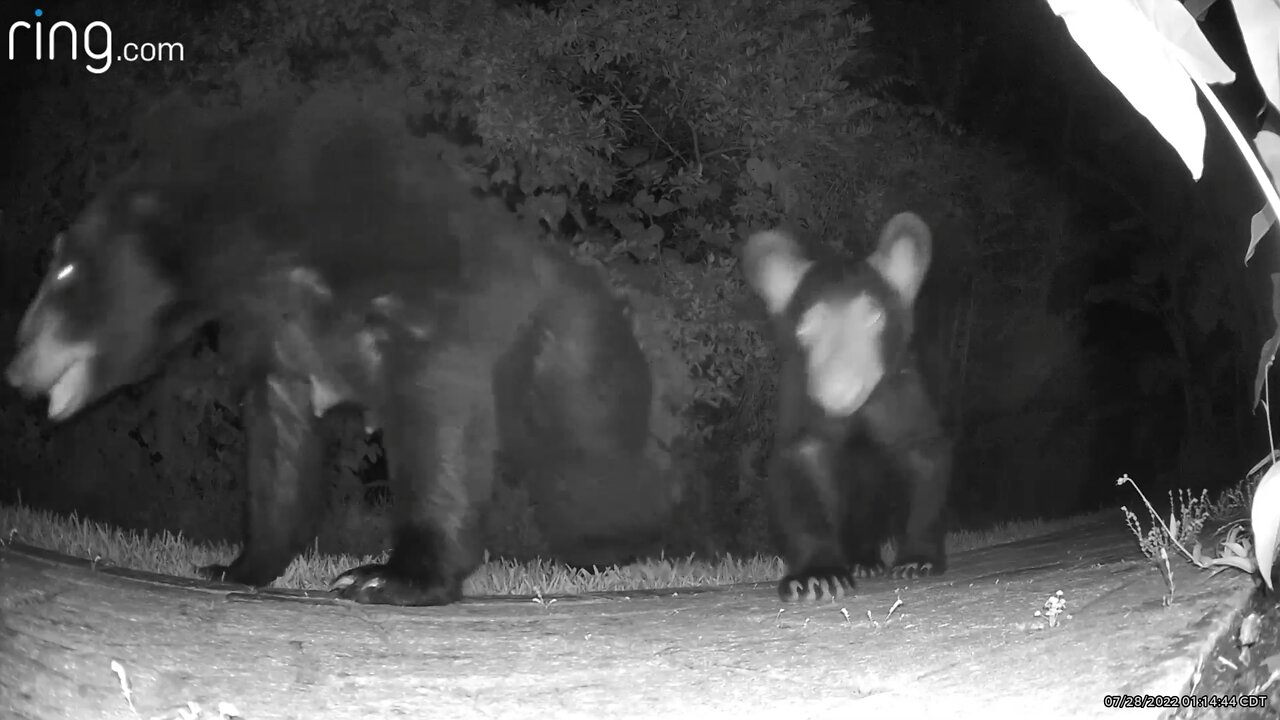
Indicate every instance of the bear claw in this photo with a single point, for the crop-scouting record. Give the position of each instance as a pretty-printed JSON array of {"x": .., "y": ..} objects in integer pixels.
[
  {"x": 378, "y": 584},
  {"x": 236, "y": 574},
  {"x": 829, "y": 584},
  {"x": 216, "y": 573},
  {"x": 868, "y": 570},
  {"x": 912, "y": 570}
]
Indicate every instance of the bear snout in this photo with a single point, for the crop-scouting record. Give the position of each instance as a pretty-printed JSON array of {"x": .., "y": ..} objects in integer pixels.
[{"x": 19, "y": 373}]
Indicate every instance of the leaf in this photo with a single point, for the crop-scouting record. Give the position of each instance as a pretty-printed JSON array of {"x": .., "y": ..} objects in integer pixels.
[
  {"x": 615, "y": 212},
  {"x": 652, "y": 236},
  {"x": 711, "y": 191},
  {"x": 651, "y": 172},
  {"x": 1149, "y": 49},
  {"x": 550, "y": 207},
  {"x": 1243, "y": 564},
  {"x": 528, "y": 182},
  {"x": 1271, "y": 345},
  {"x": 1268, "y": 146},
  {"x": 1265, "y": 519},
  {"x": 1199, "y": 8},
  {"x": 1260, "y": 25},
  {"x": 632, "y": 157},
  {"x": 503, "y": 174},
  {"x": 627, "y": 228},
  {"x": 644, "y": 201},
  {"x": 762, "y": 172},
  {"x": 1272, "y": 662}
]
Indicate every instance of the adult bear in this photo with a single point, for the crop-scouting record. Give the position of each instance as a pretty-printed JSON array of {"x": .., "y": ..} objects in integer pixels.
[
  {"x": 345, "y": 263},
  {"x": 857, "y": 434}
]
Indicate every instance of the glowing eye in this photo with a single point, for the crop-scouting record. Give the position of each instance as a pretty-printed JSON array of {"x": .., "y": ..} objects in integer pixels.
[
  {"x": 64, "y": 273},
  {"x": 874, "y": 318}
]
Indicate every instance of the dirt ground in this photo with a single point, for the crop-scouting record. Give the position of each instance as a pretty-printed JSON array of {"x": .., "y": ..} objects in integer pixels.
[{"x": 966, "y": 645}]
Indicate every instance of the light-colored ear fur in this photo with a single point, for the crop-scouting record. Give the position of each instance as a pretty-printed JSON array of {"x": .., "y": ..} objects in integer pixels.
[
  {"x": 774, "y": 265},
  {"x": 903, "y": 254}
]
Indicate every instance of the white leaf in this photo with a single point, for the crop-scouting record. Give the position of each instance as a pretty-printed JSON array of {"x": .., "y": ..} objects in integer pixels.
[
  {"x": 1150, "y": 49},
  {"x": 1268, "y": 145},
  {"x": 1260, "y": 25},
  {"x": 1265, "y": 519},
  {"x": 1242, "y": 564}
]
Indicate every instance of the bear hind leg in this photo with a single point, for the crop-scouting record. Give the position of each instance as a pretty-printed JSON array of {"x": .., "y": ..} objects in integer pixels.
[
  {"x": 582, "y": 402},
  {"x": 440, "y": 442}
]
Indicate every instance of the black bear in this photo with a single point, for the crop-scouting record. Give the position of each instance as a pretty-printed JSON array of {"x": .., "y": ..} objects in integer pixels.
[
  {"x": 857, "y": 434},
  {"x": 344, "y": 262}
]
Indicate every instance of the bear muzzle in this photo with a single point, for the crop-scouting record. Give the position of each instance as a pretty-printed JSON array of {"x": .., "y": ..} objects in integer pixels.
[{"x": 46, "y": 365}]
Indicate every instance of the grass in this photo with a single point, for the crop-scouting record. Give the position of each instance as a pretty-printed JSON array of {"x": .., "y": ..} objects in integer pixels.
[
  {"x": 1228, "y": 543},
  {"x": 170, "y": 554}
]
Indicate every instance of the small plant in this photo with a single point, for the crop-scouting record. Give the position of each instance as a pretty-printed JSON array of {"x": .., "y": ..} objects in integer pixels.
[
  {"x": 542, "y": 602},
  {"x": 897, "y": 603},
  {"x": 190, "y": 711},
  {"x": 126, "y": 689},
  {"x": 1054, "y": 607},
  {"x": 1187, "y": 515}
]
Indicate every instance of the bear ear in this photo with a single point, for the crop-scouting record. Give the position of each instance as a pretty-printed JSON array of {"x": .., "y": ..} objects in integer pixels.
[
  {"x": 774, "y": 265},
  {"x": 903, "y": 254}
]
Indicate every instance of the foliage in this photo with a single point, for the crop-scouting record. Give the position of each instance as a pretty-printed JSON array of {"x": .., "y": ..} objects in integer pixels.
[
  {"x": 1188, "y": 514},
  {"x": 1166, "y": 59},
  {"x": 669, "y": 122}
]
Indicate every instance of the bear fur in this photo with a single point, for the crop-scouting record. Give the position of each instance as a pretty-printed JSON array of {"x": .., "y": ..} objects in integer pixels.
[
  {"x": 860, "y": 455},
  {"x": 346, "y": 263}
]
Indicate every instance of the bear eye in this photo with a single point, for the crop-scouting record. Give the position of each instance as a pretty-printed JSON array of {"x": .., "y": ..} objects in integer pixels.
[
  {"x": 64, "y": 273},
  {"x": 875, "y": 317}
]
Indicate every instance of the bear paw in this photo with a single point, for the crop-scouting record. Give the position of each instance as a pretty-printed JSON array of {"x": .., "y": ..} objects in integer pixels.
[
  {"x": 237, "y": 573},
  {"x": 382, "y": 585},
  {"x": 817, "y": 584},
  {"x": 868, "y": 570},
  {"x": 915, "y": 569}
]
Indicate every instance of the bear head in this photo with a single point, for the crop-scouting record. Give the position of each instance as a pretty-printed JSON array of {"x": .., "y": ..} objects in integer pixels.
[
  {"x": 109, "y": 307},
  {"x": 850, "y": 322}
]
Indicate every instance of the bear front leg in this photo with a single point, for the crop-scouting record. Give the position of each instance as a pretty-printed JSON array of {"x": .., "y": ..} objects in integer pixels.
[
  {"x": 439, "y": 436},
  {"x": 808, "y": 506},
  {"x": 927, "y": 467},
  {"x": 904, "y": 422},
  {"x": 283, "y": 490}
]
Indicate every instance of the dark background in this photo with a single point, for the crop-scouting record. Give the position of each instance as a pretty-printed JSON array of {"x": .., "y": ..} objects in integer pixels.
[{"x": 1088, "y": 313}]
